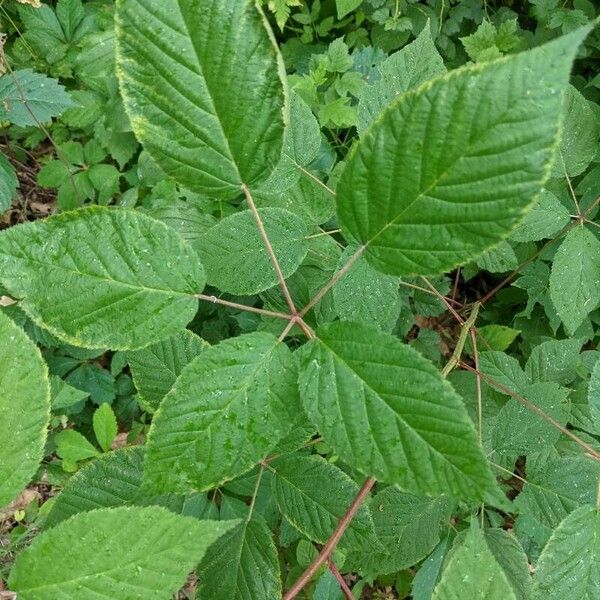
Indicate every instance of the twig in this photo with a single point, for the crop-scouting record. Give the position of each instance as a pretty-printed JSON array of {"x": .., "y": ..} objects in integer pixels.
[
  {"x": 315, "y": 179},
  {"x": 465, "y": 329},
  {"x": 329, "y": 547},
  {"x": 336, "y": 573},
  {"x": 535, "y": 409},
  {"x": 443, "y": 299},
  {"x": 336, "y": 277},
  {"x": 252, "y": 309},
  {"x": 269, "y": 248}
]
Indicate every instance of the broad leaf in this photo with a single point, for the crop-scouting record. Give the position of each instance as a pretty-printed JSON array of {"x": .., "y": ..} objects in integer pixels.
[
  {"x": 105, "y": 426},
  {"x": 366, "y": 295},
  {"x": 554, "y": 360},
  {"x": 228, "y": 409},
  {"x": 547, "y": 217},
  {"x": 24, "y": 409},
  {"x": 575, "y": 277},
  {"x": 84, "y": 556},
  {"x": 408, "y": 68},
  {"x": 558, "y": 488},
  {"x": 408, "y": 526},
  {"x": 8, "y": 183},
  {"x": 202, "y": 83},
  {"x": 115, "y": 479},
  {"x": 594, "y": 395},
  {"x": 569, "y": 566},
  {"x": 386, "y": 411},
  {"x": 512, "y": 559},
  {"x": 155, "y": 368},
  {"x": 45, "y": 98},
  {"x": 450, "y": 168},
  {"x": 234, "y": 253},
  {"x": 242, "y": 565},
  {"x": 314, "y": 495},
  {"x": 101, "y": 277},
  {"x": 472, "y": 572}
]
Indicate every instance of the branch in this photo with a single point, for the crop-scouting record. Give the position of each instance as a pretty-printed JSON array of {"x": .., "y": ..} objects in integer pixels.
[
  {"x": 535, "y": 409},
  {"x": 329, "y": 547},
  {"x": 336, "y": 277},
  {"x": 269, "y": 248},
  {"x": 252, "y": 309},
  {"x": 336, "y": 573}
]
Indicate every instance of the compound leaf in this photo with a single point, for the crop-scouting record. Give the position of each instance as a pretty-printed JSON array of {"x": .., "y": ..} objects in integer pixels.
[
  {"x": 24, "y": 409},
  {"x": 202, "y": 82},
  {"x": 451, "y": 167},
  {"x": 83, "y": 557},
  {"x": 101, "y": 277},
  {"x": 386, "y": 410}
]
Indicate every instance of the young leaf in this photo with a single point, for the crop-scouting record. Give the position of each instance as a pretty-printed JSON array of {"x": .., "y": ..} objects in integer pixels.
[
  {"x": 155, "y": 368},
  {"x": 71, "y": 446},
  {"x": 203, "y": 86},
  {"x": 24, "y": 409},
  {"x": 241, "y": 565},
  {"x": 408, "y": 68},
  {"x": 569, "y": 566},
  {"x": 115, "y": 479},
  {"x": 472, "y": 572},
  {"x": 234, "y": 253},
  {"x": 228, "y": 409},
  {"x": 84, "y": 556},
  {"x": 575, "y": 277},
  {"x": 101, "y": 277},
  {"x": 386, "y": 410},
  {"x": 45, "y": 97},
  {"x": 314, "y": 494},
  {"x": 105, "y": 426},
  {"x": 451, "y": 167}
]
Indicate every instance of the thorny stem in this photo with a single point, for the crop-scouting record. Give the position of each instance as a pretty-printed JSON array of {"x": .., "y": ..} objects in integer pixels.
[
  {"x": 535, "y": 409},
  {"x": 336, "y": 277},
  {"x": 329, "y": 547},
  {"x": 252, "y": 309},
  {"x": 336, "y": 573}
]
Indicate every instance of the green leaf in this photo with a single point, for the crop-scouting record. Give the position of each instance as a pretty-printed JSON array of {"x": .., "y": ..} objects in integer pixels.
[
  {"x": 71, "y": 446},
  {"x": 569, "y": 566},
  {"x": 203, "y": 84},
  {"x": 64, "y": 395},
  {"x": 241, "y": 565},
  {"x": 366, "y": 295},
  {"x": 575, "y": 277},
  {"x": 547, "y": 217},
  {"x": 102, "y": 277},
  {"x": 428, "y": 574},
  {"x": 579, "y": 135},
  {"x": 53, "y": 174},
  {"x": 84, "y": 556},
  {"x": 155, "y": 368},
  {"x": 472, "y": 572},
  {"x": 497, "y": 337},
  {"x": 594, "y": 395},
  {"x": 451, "y": 167},
  {"x": 408, "y": 526},
  {"x": 386, "y": 411},
  {"x": 45, "y": 98},
  {"x": 499, "y": 259},
  {"x": 303, "y": 135},
  {"x": 345, "y": 7},
  {"x": 24, "y": 409},
  {"x": 518, "y": 430},
  {"x": 554, "y": 360},
  {"x": 558, "y": 488},
  {"x": 234, "y": 253},
  {"x": 105, "y": 426},
  {"x": 228, "y": 409},
  {"x": 8, "y": 183},
  {"x": 314, "y": 495},
  {"x": 408, "y": 68},
  {"x": 115, "y": 479}
]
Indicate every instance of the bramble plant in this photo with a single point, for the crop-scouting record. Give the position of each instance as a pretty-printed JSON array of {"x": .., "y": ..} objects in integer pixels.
[{"x": 318, "y": 445}]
